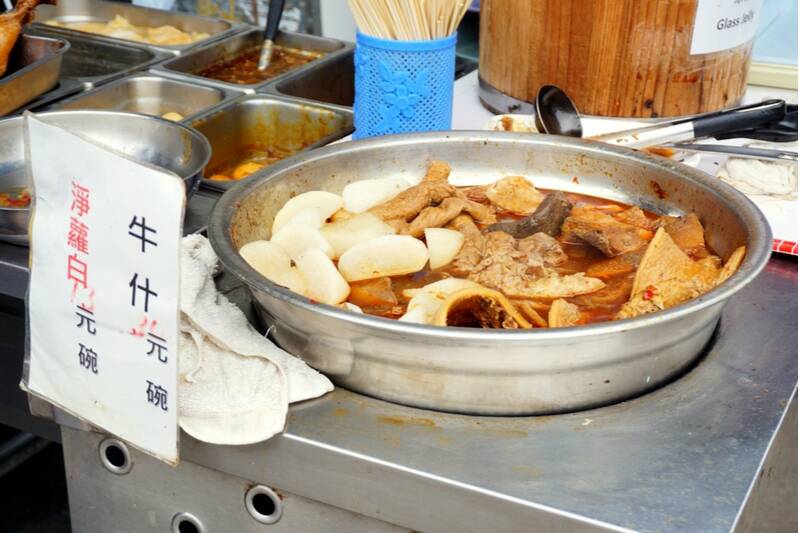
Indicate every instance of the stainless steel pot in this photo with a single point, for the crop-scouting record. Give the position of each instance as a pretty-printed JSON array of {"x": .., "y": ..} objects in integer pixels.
[
  {"x": 159, "y": 142},
  {"x": 482, "y": 371}
]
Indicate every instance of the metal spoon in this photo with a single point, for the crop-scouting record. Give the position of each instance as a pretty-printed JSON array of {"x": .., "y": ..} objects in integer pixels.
[
  {"x": 556, "y": 114},
  {"x": 273, "y": 19}
]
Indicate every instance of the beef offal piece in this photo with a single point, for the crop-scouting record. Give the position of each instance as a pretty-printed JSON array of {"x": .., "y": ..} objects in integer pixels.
[
  {"x": 602, "y": 231},
  {"x": 547, "y": 218}
]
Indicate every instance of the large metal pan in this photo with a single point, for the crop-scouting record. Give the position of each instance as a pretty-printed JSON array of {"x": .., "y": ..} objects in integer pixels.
[
  {"x": 154, "y": 140},
  {"x": 482, "y": 371}
]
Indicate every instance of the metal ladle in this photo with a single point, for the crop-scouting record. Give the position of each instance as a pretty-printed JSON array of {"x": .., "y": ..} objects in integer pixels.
[{"x": 556, "y": 114}]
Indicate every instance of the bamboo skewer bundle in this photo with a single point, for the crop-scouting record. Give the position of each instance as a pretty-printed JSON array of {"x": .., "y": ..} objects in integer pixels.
[
  {"x": 408, "y": 20},
  {"x": 628, "y": 58}
]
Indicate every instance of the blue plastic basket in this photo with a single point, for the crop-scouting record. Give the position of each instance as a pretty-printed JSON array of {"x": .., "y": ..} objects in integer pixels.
[{"x": 403, "y": 86}]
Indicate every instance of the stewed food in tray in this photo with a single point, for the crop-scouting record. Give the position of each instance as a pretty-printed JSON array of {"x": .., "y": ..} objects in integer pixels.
[{"x": 505, "y": 255}]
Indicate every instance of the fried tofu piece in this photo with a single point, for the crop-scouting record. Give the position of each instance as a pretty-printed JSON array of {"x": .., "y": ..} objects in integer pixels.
[
  {"x": 563, "y": 314},
  {"x": 514, "y": 194},
  {"x": 687, "y": 233},
  {"x": 732, "y": 264},
  {"x": 554, "y": 287},
  {"x": 667, "y": 277}
]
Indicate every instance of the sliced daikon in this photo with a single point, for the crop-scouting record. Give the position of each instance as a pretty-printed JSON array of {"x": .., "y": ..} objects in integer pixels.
[
  {"x": 346, "y": 233},
  {"x": 443, "y": 245},
  {"x": 365, "y": 194},
  {"x": 326, "y": 202},
  {"x": 297, "y": 239},
  {"x": 351, "y": 307},
  {"x": 323, "y": 282},
  {"x": 272, "y": 262},
  {"x": 389, "y": 255},
  {"x": 311, "y": 217}
]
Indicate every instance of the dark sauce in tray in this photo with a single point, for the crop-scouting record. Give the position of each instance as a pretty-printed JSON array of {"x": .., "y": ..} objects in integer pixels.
[{"x": 243, "y": 69}]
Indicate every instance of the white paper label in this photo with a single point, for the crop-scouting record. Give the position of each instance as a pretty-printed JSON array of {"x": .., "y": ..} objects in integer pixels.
[
  {"x": 104, "y": 289},
  {"x": 724, "y": 24}
]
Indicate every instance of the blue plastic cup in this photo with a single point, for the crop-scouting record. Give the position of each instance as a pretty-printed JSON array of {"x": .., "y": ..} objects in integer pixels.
[{"x": 403, "y": 86}]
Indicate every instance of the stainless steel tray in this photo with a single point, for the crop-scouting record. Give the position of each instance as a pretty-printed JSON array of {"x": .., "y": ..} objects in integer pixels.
[
  {"x": 64, "y": 88},
  {"x": 99, "y": 11},
  {"x": 159, "y": 142},
  {"x": 196, "y": 60},
  {"x": 494, "y": 372},
  {"x": 249, "y": 120},
  {"x": 149, "y": 94},
  {"x": 33, "y": 69},
  {"x": 94, "y": 61},
  {"x": 331, "y": 81}
]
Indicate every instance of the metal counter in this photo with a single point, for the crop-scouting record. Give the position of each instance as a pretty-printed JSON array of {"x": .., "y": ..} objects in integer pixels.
[{"x": 690, "y": 456}]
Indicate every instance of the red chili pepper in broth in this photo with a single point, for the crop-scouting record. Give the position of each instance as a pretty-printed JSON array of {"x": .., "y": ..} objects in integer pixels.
[{"x": 649, "y": 292}]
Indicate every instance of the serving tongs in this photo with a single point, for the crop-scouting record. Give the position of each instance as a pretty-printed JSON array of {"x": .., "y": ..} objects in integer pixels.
[
  {"x": 273, "y": 20},
  {"x": 707, "y": 125}
]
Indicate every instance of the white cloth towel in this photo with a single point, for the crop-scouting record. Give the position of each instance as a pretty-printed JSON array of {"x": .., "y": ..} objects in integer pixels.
[{"x": 234, "y": 384}]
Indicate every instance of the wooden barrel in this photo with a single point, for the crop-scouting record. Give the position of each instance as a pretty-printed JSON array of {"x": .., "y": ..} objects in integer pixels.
[{"x": 624, "y": 58}]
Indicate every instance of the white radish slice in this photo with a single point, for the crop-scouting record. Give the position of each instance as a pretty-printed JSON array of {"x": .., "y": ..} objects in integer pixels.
[
  {"x": 389, "y": 255},
  {"x": 323, "y": 282},
  {"x": 272, "y": 262},
  {"x": 443, "y": 245},
  {"x": 365, "y": 194},
  {"x": 351, "y": 307},
  {"x": 442, "y": 288},
  {"x": 426, "y": 300},
  {"x": 311, "y": 217},
  {"x": 346, "y": 233},
  {"x": 327, "y": 203},
  {"x": 416, "y": 315},
  {"x": 297, "y": 239}
]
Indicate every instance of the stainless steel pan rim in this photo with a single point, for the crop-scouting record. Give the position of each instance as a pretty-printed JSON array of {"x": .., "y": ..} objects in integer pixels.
[
  {"x": 758, "y": 251},
  {"x": 191, "y": 132}
]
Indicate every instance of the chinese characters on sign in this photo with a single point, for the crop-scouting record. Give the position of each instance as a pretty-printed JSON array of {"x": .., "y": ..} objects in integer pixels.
[
  {"x": 77, "y": 270},
  {"x": 103, "y": 299}
]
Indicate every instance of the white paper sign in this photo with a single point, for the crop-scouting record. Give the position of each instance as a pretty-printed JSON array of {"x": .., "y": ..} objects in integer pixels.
[
  {"x": 724, "y": 24},
  {"x": 103, "y": 298}
]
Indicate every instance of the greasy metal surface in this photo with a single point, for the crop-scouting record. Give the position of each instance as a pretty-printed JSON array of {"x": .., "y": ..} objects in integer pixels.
[
  {"x": 260, "y": 120},
  {"x": 332, "y": 82},
  {"x": 148, "y": 94},
  {"x": 156, "y": 141},
  {"x": 196, "y": 60},
  {"x": 459, "y": 369},
  {"x": 148, "y": 497},
  {"x": 94, "y": 61},
  {"x": 681, "y": 458},
  {"x": 99, "y": 11},
  {"x": 33, "y": 69}
]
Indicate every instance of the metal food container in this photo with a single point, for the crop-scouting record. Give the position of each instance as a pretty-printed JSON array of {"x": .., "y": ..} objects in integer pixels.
[
  {"x": 94, "y": 61},
  {"x": 33, "y": 69},
  {"x": 153, "y": 140},
  {"x": 64, "y": 88},
  {"x": 331, "y": 81},
  {"x": 99, "y": 11},
  {"x": 150, "y": 95},
  {"x": 259, "y": 120},
  {"x": 495, "y": 372},
  {"x": 193, "y": 62}
]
